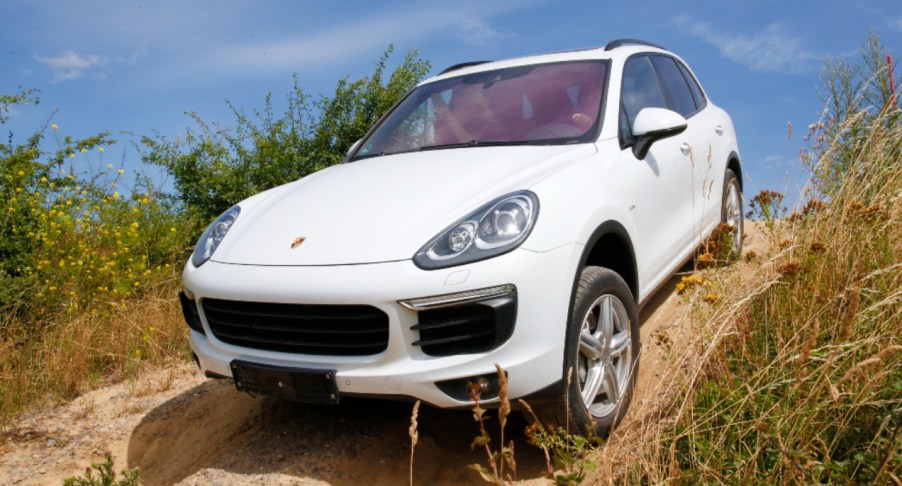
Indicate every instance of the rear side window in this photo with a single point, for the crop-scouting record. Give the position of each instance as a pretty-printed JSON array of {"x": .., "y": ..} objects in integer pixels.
[
  {"x": 675, "y": 86},
  {"x": 700, "y": 101}
]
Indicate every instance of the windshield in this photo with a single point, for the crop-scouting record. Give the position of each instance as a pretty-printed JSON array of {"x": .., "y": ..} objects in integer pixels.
[{"x": 543, "y": 104}]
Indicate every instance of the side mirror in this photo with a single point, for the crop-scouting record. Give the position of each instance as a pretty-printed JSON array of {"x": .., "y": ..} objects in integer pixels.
[{"x": 653, "y": 124}]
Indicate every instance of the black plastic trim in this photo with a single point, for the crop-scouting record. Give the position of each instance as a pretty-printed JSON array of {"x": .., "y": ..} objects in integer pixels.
[
  {"x": 190, "y": 313},
  {"x": 461, "y": 66},
  {"x": 622, "y": 42},
  {"x": 474, "y": 327}
]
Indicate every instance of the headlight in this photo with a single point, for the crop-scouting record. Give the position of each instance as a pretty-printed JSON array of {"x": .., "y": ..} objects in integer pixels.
[
  {"x": 213, "y": 236},
  {"x": 496, "y": 228}
]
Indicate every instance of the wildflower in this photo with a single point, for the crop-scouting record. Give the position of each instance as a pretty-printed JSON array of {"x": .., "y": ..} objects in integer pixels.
[
  {"x": 83, "y": 150},
  {"x": 54, "y": 126},
  {"x": 21, "y": 173},
  {"x": 121, "y": 171},
  {"x": 116, "y": 195},
  {"x": 100, "y": 149}
]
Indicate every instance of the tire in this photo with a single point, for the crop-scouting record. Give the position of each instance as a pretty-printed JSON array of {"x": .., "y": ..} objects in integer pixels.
[
  {"x": 595, "y": 363},
  {"x": 731, "y": 212}
]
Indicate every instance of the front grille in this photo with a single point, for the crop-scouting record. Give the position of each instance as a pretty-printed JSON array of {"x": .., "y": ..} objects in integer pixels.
[
  {"x": 328, "y": 330},
  {"x": 467, "y": 328}
]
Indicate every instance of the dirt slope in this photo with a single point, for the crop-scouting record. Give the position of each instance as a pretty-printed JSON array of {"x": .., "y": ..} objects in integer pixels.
[{"x": 181, "y": 428}]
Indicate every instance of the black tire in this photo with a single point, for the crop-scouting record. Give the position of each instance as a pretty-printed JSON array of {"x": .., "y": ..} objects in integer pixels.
[
  {"x": 599, "y": 290},
  {"x": 731, "y": 212}
]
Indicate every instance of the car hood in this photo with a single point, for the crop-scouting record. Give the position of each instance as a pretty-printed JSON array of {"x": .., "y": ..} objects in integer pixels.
[{"x": 382, "y": 208}]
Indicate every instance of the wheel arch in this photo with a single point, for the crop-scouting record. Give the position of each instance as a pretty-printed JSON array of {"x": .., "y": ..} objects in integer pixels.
[
  {"x": 733, "y": 164},
  {"x": 610, "y": 247}
]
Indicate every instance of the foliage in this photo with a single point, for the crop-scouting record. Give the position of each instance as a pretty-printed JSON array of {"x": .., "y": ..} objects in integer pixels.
[
  {"x": 82, "y": 268},
  {"x": 107, "y": 476},
  {"x": 68, "y": 239},
  {"x": 807, "y": 388},
  {"x": 855, "y": 95},
  {"x": 215, "y": 167},
  {"x": 573, "y": 455},
  {"x": 496, "y": 460}
]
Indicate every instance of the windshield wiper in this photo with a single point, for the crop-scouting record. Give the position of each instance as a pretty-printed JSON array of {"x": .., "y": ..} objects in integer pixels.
[{"x": 476, "y": 143}]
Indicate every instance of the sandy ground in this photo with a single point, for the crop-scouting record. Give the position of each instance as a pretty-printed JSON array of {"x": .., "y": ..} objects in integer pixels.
[{"x": 181, "y": 428}]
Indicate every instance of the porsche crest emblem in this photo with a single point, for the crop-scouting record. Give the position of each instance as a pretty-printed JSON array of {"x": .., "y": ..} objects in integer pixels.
[{"x": 297, "y": 242}]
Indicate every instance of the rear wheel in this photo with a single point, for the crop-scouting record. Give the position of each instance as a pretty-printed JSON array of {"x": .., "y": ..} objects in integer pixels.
[
  {"x": 601, "y": 356},
  {"x": 731, "y": 212}
]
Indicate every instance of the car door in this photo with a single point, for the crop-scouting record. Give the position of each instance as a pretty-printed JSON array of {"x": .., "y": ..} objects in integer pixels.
[
  {"x": 662, "y": 204},
  {"x": 695, "y": 141}
]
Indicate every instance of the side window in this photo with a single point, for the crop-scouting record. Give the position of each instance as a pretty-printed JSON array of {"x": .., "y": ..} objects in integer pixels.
[
  {"x": 640, "y": 90},
  {"x": 700, "y": 101},
  {"x": 675, "y": 86}
]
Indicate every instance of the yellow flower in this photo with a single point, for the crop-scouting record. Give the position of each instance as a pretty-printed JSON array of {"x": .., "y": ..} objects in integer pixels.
[
  {"x": 116, "y": 194},
  {"x": 100, "y": 149},
  {"x": 83, "y": 150},
  {"x": 121, "y": 171},
  {"x": 21, "y": 173},
  {"x": 109, "y": 166},
  {"x": 54, "y": 126}
]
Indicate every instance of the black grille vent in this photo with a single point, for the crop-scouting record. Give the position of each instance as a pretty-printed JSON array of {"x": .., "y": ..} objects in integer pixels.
[
  {"x": 328, "y": 330},
  {"x": 468, "y": 328},
  {"x": 189, "y": 311}
]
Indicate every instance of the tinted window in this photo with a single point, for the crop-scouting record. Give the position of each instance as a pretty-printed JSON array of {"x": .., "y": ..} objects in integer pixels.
[
  {"x": 551, "y": 103},
  {"x": 675, "y": 86},
  {"x": 640, "y": 88},
  {"x": 693, "y": 86}
]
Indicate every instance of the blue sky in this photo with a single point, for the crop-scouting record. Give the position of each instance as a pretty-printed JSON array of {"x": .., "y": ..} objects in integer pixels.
[{"x": 136, "y": 67}]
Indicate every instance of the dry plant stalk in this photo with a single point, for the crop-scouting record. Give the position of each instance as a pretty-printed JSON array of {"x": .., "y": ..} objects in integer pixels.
[
  {"x": 849, "y": 317},
  {"x": 414, "y": 435}
]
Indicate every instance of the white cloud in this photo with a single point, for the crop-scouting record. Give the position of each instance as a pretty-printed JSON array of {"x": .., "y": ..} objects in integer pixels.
[
  {"x": 71, "y": 65},
  {"x": 772, "y": 49},
  {"x": 476, "y": 32},
  {"x": 341, "y": 42}
]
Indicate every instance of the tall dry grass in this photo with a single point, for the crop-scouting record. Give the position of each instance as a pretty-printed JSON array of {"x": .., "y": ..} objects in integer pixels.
[
  {"x": 795, "y": 376},
  {"x": 71, "y": 356}
]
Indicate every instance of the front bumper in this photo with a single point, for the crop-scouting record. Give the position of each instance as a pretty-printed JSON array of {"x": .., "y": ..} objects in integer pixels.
[{"x": 532, "y": 356}]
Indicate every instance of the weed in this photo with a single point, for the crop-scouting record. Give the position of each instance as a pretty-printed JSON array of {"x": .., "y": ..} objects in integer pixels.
[
  {"x": 496, "y": 460},
  {"x": 106, "y": 476}
]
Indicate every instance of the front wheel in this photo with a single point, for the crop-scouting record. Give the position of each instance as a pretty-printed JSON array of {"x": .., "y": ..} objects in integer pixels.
[{"x": 601, "y": 356}]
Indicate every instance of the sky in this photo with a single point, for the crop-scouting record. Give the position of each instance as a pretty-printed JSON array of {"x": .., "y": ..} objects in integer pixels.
[{"x": 137, "y": 68}]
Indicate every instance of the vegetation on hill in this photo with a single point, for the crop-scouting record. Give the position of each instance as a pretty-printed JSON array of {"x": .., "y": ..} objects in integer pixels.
[{"x": 89, "y": 270}]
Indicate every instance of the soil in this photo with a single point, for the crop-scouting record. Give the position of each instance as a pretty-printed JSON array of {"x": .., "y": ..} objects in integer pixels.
[{"x": 180, "y": 428}]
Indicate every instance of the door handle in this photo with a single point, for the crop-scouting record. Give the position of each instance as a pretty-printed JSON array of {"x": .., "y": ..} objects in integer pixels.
[
  {"x": 719, "y": 129},
  {"x": 685, "y": 148}
]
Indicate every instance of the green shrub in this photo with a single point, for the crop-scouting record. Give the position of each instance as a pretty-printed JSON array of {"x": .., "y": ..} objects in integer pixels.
[{"x": 214, "y": 167}]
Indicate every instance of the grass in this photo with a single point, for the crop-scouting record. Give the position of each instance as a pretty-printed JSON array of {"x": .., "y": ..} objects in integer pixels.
[
  {"x": 796, "y": 376},
  {"x": 74, "y": 355}
]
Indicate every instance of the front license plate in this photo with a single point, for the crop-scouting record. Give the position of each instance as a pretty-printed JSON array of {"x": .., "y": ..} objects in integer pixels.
[{"x": 302, "y": 385}]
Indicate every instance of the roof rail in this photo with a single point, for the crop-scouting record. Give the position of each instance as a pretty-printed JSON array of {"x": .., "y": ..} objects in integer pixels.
[
  {"x": 461, "y": 66},
  {"x": 619, "y": 42}
]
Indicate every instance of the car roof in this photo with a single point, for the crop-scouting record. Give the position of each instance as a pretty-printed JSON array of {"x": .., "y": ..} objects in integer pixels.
[{"x": 619, "y": 48}]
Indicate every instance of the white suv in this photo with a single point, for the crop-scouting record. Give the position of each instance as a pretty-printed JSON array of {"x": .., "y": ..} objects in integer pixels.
[{"x": 516, "y": 212}]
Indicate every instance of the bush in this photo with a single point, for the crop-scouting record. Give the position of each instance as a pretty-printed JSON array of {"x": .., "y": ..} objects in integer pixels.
[{"x": 214, "y": 168}]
